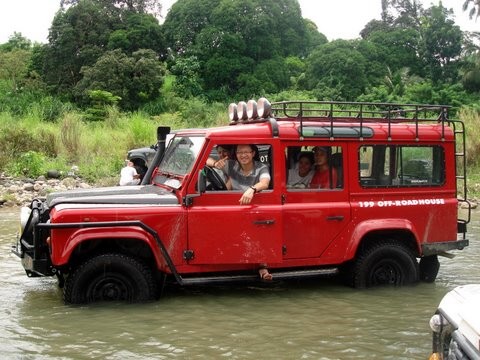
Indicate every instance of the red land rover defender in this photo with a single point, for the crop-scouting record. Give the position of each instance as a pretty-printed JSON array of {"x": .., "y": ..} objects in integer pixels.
[{"x": 397, "y": 174}]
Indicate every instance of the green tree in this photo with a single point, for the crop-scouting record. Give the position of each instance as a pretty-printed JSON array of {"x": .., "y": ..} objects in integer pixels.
[
  {"x": 187, "y": 82},
  {"x": 14, "y": 67},
  {"x": 441, "y": 44},
  {"x": 337, "y": 71},
  {"x": 231, "y": 38},
  {"x": 471, "y": 73},
  {"x": 142, "y": 6},
  {"x": 16, "y": 42},
  {"x": 395, "y": 48},
  {"x": 184, "y": 21},
  {"x": 77, "y": 38},
  {"x": 138, "y": 31},
  {"x": 134, "y": 79}
]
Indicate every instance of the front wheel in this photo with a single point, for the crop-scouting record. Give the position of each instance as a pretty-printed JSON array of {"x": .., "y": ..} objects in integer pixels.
[
  {"x": 110, "y": 277},
  {"x": 385, "y": 263}
]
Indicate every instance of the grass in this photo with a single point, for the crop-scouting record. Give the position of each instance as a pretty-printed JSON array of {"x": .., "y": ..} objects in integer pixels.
[{"x": 32, "y": 146}]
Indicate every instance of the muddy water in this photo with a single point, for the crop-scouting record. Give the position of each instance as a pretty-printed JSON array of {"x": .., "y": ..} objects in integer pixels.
[{"x": 314, "y": 319}]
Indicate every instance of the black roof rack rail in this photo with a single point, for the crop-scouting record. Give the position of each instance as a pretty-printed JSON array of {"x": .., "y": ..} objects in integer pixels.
[{"x": 362, "y": 112}]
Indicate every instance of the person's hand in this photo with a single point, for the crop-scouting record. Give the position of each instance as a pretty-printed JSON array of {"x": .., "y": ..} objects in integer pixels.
[
  {"x": 219, "y": 164},
  {"x": 247, "y": 197}
]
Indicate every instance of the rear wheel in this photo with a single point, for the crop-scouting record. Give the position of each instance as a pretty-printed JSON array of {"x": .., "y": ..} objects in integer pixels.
[
  {"x": 110, "y": 277},
  {"x": 429, "y": 266},
  {"x": 385, "y": 263}
]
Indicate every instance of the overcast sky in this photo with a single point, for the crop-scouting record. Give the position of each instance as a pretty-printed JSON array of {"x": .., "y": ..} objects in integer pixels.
[{"x": 336, "y": 19}]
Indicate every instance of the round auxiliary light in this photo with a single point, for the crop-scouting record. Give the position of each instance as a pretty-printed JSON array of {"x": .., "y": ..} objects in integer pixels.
[
  {"x": 264, "y": 108},
  {"x": 242, "y": 110},
  {"x": 252, "y": 109},
  {"x": 232, "y": 112}
]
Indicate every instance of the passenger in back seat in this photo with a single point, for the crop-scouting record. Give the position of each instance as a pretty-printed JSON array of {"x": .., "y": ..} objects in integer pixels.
[
  {"x": 325, "y": 177},
  {"x": 301, "y": 175}
]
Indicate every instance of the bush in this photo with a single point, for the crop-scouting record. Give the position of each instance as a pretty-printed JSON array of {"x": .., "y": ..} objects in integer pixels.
[{"x": 29, "y": 164}]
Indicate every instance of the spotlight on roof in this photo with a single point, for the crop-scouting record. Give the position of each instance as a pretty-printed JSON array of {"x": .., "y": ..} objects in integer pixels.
[
  {"x": 252, "y": 109},
  {"x": 232, "y": 112},
  {"x": 264, "y": 108},
  {"x": 242, "y": 110}
]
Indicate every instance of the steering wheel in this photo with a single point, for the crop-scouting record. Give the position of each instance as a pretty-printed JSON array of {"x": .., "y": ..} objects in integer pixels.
[{"x": 215, "y": 179}]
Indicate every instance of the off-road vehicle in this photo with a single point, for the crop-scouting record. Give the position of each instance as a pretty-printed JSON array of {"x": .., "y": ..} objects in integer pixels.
[{"x": 400, "y": 175}]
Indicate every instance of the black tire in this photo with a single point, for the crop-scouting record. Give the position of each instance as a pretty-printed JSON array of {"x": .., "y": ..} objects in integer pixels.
[
  {"x": 429, "y": 266},
  {"x": 110, "y": 277},
  {"x": 385, "y": 263}
]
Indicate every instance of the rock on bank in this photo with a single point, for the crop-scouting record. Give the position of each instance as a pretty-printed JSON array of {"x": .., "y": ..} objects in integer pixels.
[{"x": 19, "y": 192}]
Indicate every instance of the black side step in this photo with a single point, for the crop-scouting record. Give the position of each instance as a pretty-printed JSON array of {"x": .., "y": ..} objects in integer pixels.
[{"x": 280, "y": 275}]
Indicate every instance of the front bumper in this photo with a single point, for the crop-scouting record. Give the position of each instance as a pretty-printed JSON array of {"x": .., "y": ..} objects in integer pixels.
[{"x": 31, "y": 246}]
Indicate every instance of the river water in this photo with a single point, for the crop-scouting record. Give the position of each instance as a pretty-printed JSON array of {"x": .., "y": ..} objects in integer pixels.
[{"x": 314, "y": 319}]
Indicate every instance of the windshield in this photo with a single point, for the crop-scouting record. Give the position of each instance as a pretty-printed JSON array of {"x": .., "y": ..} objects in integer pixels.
[{"x": 178, "y": 160}]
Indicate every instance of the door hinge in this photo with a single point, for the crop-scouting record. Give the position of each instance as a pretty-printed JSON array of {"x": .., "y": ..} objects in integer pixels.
[{"x": 188, "y": 254}]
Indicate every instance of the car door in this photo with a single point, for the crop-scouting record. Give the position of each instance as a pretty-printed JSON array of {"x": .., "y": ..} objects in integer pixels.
[
  {"x": 221, "y": 231},
  {"x": 313, "y": 218}
]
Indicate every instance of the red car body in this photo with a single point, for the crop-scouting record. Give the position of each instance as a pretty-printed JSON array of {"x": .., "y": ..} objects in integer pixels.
[{"x": 397, "y": 200}]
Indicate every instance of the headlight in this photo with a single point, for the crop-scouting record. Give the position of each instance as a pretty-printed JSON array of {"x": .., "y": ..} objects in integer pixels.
[{"x": 437, "y": 322}]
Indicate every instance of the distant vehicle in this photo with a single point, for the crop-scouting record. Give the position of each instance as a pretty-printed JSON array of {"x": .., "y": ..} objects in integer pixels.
[
  {"x": 145, "y": 154},
  {"x": 456, "y": 325},
  {"x": 389, "y": 210}
]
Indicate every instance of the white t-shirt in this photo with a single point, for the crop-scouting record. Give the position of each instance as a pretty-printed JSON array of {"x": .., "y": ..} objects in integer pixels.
[
  {"x": 126, "y": 176},
  {"x": 297, "y": 181}
]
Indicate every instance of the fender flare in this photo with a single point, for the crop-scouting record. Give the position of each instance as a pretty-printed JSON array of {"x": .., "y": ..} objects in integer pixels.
[
  {"x": 85, "y": 234},
  {"x": 128, "y": 224},
  {"x": 368, "y": 226}
]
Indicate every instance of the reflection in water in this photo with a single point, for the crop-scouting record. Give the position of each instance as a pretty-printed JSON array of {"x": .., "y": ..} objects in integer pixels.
[{"x": 314, "y": 319}]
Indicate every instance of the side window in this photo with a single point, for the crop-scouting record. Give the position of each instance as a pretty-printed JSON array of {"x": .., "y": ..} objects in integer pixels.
[
  {"x": 314, "y": 167},
  {"x": 230, "y": 172},
  {"x": 401, "y": 166}
]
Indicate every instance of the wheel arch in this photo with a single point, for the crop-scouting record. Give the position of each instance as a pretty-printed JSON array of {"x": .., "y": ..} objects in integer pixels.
[
  {"x": 84, "y": 243},
  {"x": 369, "y": 232},
  {"x": 113, "y": 230}
]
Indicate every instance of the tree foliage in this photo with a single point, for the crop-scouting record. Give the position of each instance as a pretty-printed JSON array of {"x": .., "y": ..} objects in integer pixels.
[
  {"x": 141, "y": 6},
  {"x": 234, "y": 40},
  {"x": 224, "y": 49},
  {"x": 133, "y": 79},
  {"x": 337, "y": 70}
]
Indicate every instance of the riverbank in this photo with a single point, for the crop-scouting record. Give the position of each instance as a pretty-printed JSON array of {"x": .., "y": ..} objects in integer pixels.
[{"x": 20, "y": 192}]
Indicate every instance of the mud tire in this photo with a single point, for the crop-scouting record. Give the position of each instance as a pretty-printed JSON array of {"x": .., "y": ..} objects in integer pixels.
[
  {"x": 110, "y": 277},
  {"x": 385, "y": 263}
]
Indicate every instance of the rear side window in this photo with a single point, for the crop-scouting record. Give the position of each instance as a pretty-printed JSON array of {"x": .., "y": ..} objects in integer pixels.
[{"x": 401, "y": 166}]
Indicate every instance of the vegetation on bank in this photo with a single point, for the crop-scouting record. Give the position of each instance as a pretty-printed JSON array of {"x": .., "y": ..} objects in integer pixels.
[{"x": 32, "y": 146}]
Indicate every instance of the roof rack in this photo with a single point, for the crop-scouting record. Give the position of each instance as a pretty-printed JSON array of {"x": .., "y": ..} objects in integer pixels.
[{"x": 361, "y": 110}]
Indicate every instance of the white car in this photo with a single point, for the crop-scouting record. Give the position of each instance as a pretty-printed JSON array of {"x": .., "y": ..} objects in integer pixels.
[{"x": 456, "y": 325}]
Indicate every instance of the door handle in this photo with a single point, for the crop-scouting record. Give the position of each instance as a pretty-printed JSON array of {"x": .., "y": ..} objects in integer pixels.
[
  {"x": 264, "y": 222},
  {"x": 335, "y": 218}
]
